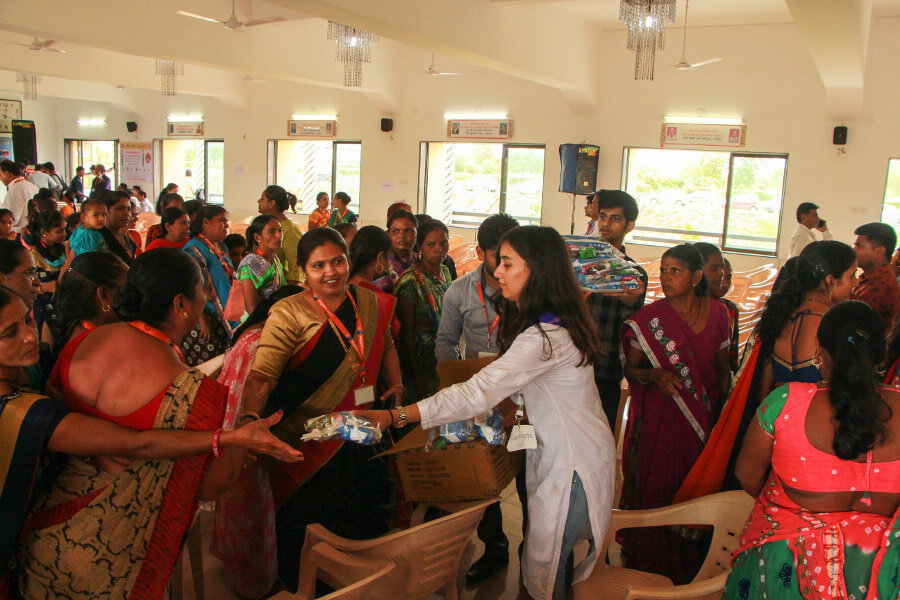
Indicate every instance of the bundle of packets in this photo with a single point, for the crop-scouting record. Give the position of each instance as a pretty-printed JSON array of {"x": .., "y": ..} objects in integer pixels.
[
  {"x": 599, "y": 267},
  {"x": 344, "y": 425},
  {"x": 487, "y": 426}
]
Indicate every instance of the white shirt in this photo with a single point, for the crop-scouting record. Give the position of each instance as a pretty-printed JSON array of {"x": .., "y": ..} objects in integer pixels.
[
  {"x": 804, "y": 236},
  {"x": 563, "y": 405},
  {"x": 19, "y": 192},
  {"x": 42, "y": 180}
]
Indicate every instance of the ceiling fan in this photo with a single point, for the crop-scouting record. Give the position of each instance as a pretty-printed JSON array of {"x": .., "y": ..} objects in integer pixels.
[
  {"x": 683, "y": 64},
  {"x": 232, "y": 23},
  {"x": 39, "y": 45},
  {"x": 432, "y": 70}
]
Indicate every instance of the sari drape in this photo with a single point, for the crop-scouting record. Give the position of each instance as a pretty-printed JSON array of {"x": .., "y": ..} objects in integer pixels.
[
  {"x": 26, "y": 423},
  {"x": 788, "y": 552},
  {"x": 345, "y": 487},
  {"x": 93, "y": 534},
  {"x": 335, "y": 394},
  {"x": 714, "y": 469},
  {"x": 665, "y": 434}
]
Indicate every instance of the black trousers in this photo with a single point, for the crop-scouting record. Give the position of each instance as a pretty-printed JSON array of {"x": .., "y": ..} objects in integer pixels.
[{"x": 610, "y": 396}]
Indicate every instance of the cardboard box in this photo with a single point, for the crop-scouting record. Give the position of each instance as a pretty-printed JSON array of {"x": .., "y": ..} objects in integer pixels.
[{"x": 460, "y": 472}]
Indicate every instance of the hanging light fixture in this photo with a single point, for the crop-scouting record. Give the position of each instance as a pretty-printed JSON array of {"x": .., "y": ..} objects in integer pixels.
[
  {"x": 353, "y": 47},
  {"x": 646, "y": 21},
  {"x": 169, "y": 70},
  {"x": 29, "y": 83}
]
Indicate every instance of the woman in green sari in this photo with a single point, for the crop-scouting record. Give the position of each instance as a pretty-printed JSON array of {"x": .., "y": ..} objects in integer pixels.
[{"x": 420, "y": 297}]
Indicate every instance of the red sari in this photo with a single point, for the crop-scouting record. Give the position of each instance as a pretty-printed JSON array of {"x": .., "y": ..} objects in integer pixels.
[{"x": 98, "y": 535}]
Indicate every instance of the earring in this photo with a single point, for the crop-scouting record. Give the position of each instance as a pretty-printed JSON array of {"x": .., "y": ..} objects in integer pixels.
[
  {"x": 380, "y": 269},
  {"x": 185, "y": 315},
  {"x": 106, "y": 308},
  {"x": 817, "y": 361}
]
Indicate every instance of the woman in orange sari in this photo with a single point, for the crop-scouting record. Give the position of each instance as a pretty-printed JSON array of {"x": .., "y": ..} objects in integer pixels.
[{"x": 321, "y": 351}]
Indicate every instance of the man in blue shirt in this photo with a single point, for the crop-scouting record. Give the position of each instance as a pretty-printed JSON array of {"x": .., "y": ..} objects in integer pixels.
[{"x": 468, "y": 314}]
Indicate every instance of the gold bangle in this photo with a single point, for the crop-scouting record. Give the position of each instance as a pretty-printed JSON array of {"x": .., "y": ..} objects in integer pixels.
[{"x": 249, "y": 414}]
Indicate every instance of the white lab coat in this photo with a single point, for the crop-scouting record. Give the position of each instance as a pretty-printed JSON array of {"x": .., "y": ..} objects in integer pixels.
[{"x": 563, "y": 405}]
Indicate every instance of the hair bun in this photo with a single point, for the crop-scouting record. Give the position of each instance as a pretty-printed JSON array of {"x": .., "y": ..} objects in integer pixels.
[
  {"x": 808, "y": 274},
  {"x": 128, "y": 302}
]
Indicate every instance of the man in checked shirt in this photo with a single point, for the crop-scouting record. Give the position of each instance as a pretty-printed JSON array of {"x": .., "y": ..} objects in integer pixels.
[{"x": 617, "y": 213}]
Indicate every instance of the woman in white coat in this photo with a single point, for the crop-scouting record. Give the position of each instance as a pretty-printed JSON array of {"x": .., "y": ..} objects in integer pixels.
[{"x": 548, "y": 343}]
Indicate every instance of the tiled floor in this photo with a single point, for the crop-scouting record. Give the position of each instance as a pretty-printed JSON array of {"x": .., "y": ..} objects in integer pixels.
[{"x": 503, "y": 585}]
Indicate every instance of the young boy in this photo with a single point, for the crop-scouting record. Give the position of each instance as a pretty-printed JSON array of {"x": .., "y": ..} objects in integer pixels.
[
  {"x": 237, "y": 247},
  {"x": 87, "y": 237}
]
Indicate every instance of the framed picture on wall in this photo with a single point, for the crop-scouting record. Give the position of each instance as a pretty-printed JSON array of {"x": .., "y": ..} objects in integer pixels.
[{"x": 10, "y": 110}]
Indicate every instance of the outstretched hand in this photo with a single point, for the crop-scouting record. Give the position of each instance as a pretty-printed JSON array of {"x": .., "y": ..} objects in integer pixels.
[
  {"x": 256, "y": 437},
  {"x": 380, "y": 418}
]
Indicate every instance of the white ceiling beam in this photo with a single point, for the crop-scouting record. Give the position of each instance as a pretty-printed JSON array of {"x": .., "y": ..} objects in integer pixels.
[{"x": 836, "y": 33}]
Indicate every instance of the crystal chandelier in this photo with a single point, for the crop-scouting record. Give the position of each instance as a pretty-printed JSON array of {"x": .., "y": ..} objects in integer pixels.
[
  {"x": 169, "y": 70},
  {"x": 646, "y": 21},
  {"x": 353, "y": 47},
  {"x": 29, "y": 83}
]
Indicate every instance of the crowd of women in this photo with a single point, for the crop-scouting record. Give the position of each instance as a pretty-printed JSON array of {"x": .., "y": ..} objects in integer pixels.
[{"x": 106, "y": 472}]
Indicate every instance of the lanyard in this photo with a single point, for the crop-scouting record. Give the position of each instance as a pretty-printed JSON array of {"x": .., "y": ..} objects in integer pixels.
[
  {"x": 220, "y": 255},
  {"x": 154, "y": 332},
  {"x": 491, "y": 326},
  {"x": 359, "y": 345}
]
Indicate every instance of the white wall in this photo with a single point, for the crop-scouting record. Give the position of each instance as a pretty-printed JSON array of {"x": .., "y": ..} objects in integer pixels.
[{"x": 766, "y": 77}]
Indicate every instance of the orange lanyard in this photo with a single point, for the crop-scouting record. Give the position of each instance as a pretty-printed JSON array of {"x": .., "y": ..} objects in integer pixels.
[
  {"x": 491, "y": 326},
  {"x": 154, "y": 332},
  {"x": 359, "y": 345},
  {"x": 224, "y": 261}
]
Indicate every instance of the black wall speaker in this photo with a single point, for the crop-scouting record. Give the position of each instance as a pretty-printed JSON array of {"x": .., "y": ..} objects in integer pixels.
[
  {"x": 24, "y": 142},
  {"x": 840, "y": 135},
  {"x": 578, "y": 172},
  {"x": 131, "y": 126},
  {"x": 387, "y": 124}
]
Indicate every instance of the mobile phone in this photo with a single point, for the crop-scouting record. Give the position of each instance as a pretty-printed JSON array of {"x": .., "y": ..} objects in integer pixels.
[{"x": 821, "y": 222}]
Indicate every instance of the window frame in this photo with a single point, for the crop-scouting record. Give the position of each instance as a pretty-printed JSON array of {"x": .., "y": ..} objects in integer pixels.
[
  {"x": 723, "y": 235},
  {"x": 206, "y": 142},
  {"x": 67, "y": 155},
  {"x": 422, "y": 198},
  {"x": 272, "y": 163},
  {"x": 887, "y": 181}
]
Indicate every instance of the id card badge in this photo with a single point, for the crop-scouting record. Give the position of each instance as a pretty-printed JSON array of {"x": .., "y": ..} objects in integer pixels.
[
  {"x": 486, "y": 354},
  {"x": 521, "y": 437},
  {"x": 364, "y": 395}
]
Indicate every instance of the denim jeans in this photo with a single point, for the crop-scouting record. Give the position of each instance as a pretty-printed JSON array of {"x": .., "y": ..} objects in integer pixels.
[{"x": 577, "y": 522}]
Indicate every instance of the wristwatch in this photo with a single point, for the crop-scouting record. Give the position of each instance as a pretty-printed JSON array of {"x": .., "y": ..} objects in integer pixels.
[{"x": 401, "y": 422}]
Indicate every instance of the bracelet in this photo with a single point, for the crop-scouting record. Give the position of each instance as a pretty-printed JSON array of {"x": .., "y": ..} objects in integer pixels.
[
  {"x": 216, "y": 435},
  {"x": 249, "y": 414},
  {"x": 402, "y": 420},
  {"x": 396, "y": 386},
  {"x": 639, "y": 377}
]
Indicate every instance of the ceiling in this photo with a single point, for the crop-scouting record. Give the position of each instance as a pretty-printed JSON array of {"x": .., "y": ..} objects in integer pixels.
[
  {"x": 705, "y": 13},
  {"x": 521, "y": 38}
]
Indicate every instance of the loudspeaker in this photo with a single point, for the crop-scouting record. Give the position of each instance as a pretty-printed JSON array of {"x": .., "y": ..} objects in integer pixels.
[
  {"x": 578, "y": 172},
  {"x": 387, "y": 124},
  {"x": 131, "y": 126},
  {"x": 840, "y": 135},
  {"x": 24, "y": 144}
]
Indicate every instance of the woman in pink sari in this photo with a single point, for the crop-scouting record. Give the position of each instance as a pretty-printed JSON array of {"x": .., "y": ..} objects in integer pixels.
[
  {"x": 244, "y": 533},
  {"x": 676, "y": 362}
]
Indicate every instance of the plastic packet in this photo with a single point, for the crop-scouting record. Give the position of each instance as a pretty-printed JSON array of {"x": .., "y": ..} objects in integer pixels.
[
  {"x": 600, "y": 267},
  {"x": 490, "y": 427},
  {"x": 344, "y": 425},
  {"x": 460, "y": 431}
]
